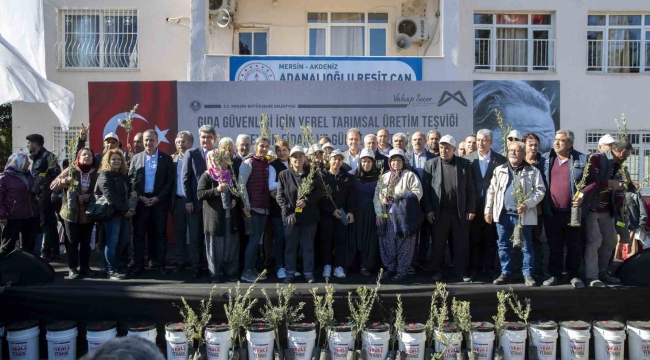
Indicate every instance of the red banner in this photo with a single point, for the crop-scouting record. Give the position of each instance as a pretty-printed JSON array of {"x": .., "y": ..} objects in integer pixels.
[{"x": 110, "y": 102}]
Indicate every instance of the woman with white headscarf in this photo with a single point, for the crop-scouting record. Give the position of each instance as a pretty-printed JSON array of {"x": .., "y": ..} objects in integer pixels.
[{"x": 18, "y": 210}]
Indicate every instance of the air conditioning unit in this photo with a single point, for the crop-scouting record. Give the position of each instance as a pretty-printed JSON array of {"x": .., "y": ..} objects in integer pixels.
[
  {"x": 414, "y": 27},
  {"x": 215, "y": 5}
]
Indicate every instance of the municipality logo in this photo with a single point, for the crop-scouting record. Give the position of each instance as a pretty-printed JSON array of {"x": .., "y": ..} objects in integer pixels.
[
  {"x": 195, "y": 106},
  {"x": 446, "y": 96}
]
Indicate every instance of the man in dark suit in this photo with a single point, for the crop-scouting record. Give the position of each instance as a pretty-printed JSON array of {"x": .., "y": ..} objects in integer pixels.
[
  {"x": 194, "y": 166},
  {"x": 483, "y": 235},
  {"x": 154, "y": 174},
  {"x": 416, "y": 160},
  {"x": 449, "y": 189},
  {"x": 182, "y": 219}
]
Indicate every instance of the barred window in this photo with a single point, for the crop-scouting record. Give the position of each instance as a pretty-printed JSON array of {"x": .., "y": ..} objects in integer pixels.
[
  {"x": 61, "y": 140},
  {"x": 91, "y": 39},
  {"x": 638, "y": 162}
]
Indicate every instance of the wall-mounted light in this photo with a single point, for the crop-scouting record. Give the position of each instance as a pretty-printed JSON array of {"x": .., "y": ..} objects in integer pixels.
[{"x": 275, "y": 3}]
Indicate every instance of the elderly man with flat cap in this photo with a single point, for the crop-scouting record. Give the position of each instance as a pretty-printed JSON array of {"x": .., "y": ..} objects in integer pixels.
[{"x": 450, "y": 203}]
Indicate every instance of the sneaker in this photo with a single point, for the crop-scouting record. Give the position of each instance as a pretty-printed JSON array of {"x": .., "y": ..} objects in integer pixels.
[
  {"x": 529, "y": 281},
  {"x": 327, "y": 271},
  {"x": 152, "y": 264},
  {"x": 282, "y": 273},
  {"x": 215, "y": 280},
  {"x": 73, "y": 274},
  {"x": 116, "y": 276},
  {"x": 86, "y": 272},
  {"x": 503, "y": 279},
  {"x": 596, "y": 283},
  {"x": 387, "y": 275},
  {"x": 365, "y": 272},
  {"x": 552, "y": 281},
  {"x": 577, "y": 283},
  {"x": 609, "y": 279},
  {"x": 437, "y": 277},
  {"x": 310, "y": 279},
  {"x": 398, "y": 278},
  {"x": 410, "y": 271},
  {"x": 339, "y": 273},
  {"x": 296, "y": 274},
  {"x": 467, "y": 279},
  {"x": 288, "y": 279},
  {"x": 248, "y": 276},
  {"x": 232, "y": 278}
]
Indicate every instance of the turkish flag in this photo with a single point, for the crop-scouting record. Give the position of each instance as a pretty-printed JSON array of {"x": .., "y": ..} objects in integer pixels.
[{"x": 110, "y": 102}]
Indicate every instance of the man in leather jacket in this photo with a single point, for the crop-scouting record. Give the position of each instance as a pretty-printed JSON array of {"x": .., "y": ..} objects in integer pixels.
[{"x": 45, "y": 168}]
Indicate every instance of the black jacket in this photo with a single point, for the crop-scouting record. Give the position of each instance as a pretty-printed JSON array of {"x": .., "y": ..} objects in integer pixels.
[
  {"x": 43, "y": 176},
  {"x": 279, "y": 167},
  {"x": 214, "y": 215},
  {"x": 165, "y": 176},
  {"x": 287, "y": 196},
  {"x": 116, "y": 188},
  {"x": 481, "y": 184},
  {"x": 342, "y": 186},
  {"x": 194, "y": 166},
  {"x": 432, "y": 187}
]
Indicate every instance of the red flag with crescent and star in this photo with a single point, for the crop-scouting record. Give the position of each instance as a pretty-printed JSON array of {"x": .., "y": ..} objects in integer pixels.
[{"x": 110, "y": 102}]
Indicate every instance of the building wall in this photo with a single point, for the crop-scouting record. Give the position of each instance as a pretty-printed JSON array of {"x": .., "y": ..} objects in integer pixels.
[
  {"x": 588, "y": 101},
  {"x": 163, "y": 51}
]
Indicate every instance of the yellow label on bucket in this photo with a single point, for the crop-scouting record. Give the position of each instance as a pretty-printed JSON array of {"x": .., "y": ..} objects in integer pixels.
[
  {"x": 298, "y": 210},
  {"x": 620, "y": 224},
  {"x": 41, "y": 175}
]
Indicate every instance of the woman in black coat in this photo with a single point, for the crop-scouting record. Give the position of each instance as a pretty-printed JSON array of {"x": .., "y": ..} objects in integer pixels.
[
  {"x": 219, "y": 221},
  {"x": 113, "y": 183},
  {"x": 338, "y": 208}
]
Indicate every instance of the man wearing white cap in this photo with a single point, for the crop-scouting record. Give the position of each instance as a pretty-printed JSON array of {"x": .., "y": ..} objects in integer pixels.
[
  {"x": 111, "y": 141},
  {"x": 450, "y": 204},
  {"x": 513, "y": 136},
  {"x": 605, "y": 143},
  {"x": 327, "y": 149}
]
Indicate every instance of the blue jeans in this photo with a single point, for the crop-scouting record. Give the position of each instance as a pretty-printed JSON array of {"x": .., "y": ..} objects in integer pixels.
[
  {"x": 505, "y": 228},
  {"x": 250, "y": 256},
  {"x": 278, "y": 241},
  {"x": 117, "y": 231}
]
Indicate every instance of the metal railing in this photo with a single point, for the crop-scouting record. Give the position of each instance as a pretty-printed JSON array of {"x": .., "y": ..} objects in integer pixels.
[
  {"x": 618, "y": 56},
  {"x": 516, "y": 55},
  {"x": 89, "y": 39}
]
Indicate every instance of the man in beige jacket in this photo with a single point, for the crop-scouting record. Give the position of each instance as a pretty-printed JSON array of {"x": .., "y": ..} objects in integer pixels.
[{"x": 511, "y": 200}]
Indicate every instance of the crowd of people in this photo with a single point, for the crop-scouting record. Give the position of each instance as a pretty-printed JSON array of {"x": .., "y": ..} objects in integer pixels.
[{"x": 425, "y": 201}]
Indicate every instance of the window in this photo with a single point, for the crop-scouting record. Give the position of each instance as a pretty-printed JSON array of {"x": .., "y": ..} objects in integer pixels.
[
  {"x": 639, "y": 161},
  {"x": 513, "y": 42},
  {"x": 253, "y": 42},
  {"x": 347, "y": 34},
  {"x": 61, "y": 140},
  {"x": 99, "y": 39},
  {"x": 618, "y": 44}
]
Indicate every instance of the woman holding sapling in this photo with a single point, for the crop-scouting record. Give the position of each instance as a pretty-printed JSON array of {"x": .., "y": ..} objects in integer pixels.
[
  {"x": 299, "y": 191},
  {"x": 511, "y": 200},
  {"x": 219, "y": 219},
  {"x": 397, "y": 209},
  {"x": 363, "y": 232},
  {"x": 77, "y": 182},
  {"x": 338, "y": 206}
]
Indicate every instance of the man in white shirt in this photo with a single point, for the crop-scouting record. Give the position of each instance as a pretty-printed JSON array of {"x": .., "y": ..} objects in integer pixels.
[
  {"x": 180, "y": 216},
  {"x": 383, "y": 139},
  {"x": 483, "y": 236},
  {"x": 243, "y": 145},
  {"x": 351, "y": 156}
]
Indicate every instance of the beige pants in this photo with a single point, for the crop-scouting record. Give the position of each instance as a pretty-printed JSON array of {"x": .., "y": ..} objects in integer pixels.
[{"x": 601, "y": 241}]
